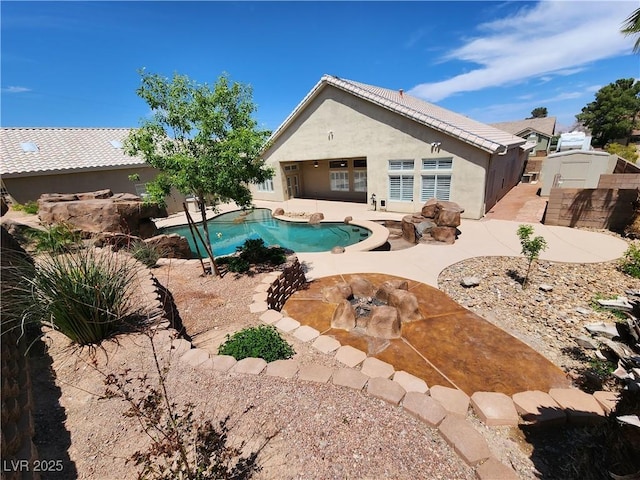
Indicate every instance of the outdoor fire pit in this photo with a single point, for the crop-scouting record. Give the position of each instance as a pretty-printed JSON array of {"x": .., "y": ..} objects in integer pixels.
[{"x": 374, "y": 311}]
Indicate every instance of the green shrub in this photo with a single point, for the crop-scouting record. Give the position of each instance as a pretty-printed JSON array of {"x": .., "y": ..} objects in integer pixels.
[
  {"x": 86, "y": 295},
  {"x": 531, "y": 248},
  {"x": 29, "y": 207},
  {"x": 262, "y": 341},
  {"x": 255, "y": 251},
  {"x": 630, "y": 262},
  {"x": 145, "y": 253},
  {"x": 238, "y": 265},
  {"x": 58, "y": 238}
]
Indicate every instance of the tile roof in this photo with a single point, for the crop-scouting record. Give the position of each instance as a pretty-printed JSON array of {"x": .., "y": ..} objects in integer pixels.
[
  {"x": 483, "y": 136},
  {"x": 62, "y": 149},
  {"x": 545, "y": 125}
]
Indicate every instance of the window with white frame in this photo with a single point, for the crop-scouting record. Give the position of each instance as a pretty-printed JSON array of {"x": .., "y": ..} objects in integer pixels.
[
  {"x": 436, "y": 184},
  {"x": 339, "y": 181},
  {"x": 401, "y": 185},
  {"x": 266, "y": 186},
  {"x": 360, "y": 181}
]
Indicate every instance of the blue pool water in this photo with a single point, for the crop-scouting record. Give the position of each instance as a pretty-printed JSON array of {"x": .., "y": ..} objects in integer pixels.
[{"x": 230, "y": 230}]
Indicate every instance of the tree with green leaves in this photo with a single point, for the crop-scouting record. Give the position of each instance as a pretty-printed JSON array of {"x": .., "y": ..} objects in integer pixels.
[
  {"x": 615, "y": 113},
  {"x": 632, "y": 27},
  {"x": 203, "y": 140},
  {"x": 531, "y": 247},
  {"x": 539, "y": 112}
]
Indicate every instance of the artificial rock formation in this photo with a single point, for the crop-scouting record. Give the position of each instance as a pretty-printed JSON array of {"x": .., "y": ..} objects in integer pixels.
[
  {"x": 378, "y": 312},
  {"x": 101, "y": 211},
  {"x": 316, "y": 218},
  {"x": 437, "y": 221}
]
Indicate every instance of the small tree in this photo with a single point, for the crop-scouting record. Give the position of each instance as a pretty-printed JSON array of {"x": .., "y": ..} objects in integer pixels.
[
  {"x": 202, "y": 139},
  {"x": 531, "y": 247}
]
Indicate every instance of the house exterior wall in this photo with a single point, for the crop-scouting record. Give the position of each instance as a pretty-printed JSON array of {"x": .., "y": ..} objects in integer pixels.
[
  {"x": 24, "y": 188},
  {"x": 578, "y": 169},
  {"x": 337, "y": 125}
]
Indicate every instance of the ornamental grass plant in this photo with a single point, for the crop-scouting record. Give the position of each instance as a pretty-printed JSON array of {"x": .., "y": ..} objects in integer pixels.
[{"x": 87, "y": 295}]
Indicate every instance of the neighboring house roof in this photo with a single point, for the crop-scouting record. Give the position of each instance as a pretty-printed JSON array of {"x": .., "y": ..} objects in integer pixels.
[
  {"x": 478, "y": 134},
  {"x": 545, "y": 126},
  {"x": 25, "y": 151}
]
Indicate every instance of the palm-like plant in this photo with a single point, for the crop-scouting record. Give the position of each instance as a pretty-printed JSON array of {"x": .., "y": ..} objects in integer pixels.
[{"x": 632, "y": 27}]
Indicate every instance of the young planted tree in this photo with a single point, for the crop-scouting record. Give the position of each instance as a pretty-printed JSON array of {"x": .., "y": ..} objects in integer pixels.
[
  {"x": 203, "y": 140},
  {"x": 531, "y": 248}
]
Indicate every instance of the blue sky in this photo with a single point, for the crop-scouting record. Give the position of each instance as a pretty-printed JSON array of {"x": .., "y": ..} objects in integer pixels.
[{"x": 75, "y": 64}]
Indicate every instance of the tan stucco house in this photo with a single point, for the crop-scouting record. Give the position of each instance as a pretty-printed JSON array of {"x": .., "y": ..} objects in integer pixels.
[
  {"x": 350, "y": 141},
  {"x": 538, "y": 131},
  {"x": 34, "y": 161}
]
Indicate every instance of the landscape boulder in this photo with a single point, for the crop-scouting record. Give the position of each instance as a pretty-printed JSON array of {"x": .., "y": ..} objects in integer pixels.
[
  {"x": 101, "y": 211},
  {"x": 171, "y": 246},
  {"x": 407, "y": 305},
  {"x": 277, "y": 212},
  {"x": 337, "y": 293},
  {"x": 316, "y": 218},
  {"x": 384, "y": 323},
  {"x": 344, "y": 317}
]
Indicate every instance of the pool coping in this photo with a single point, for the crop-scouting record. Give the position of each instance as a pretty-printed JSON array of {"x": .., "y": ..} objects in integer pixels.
[{"x": 379, "y": 233}]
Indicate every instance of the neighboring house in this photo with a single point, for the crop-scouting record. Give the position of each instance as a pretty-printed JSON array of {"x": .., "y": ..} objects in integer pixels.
[
  {"x": 538, "y": 131},
  {"x": 34, "y": 161},
  {"x": 350, "y": 141}
]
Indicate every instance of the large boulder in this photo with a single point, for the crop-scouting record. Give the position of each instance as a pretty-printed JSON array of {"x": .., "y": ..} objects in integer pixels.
[
  {"x": 407, "y": 305},
  {"x": 316, "y": 218},
  {"x": 344, "y": 317},
  {"x": 448, "y": 217},
  {"x": 444, "y": 234},
  {"x": 171, "y": 246},
  {"x": 384, "y": 323},
  {"x": 387, "y": 287},
  {"x": 361, "y": 287},
  {"x": 102, "y": 211},
  {"x": 337, "y": 293}
]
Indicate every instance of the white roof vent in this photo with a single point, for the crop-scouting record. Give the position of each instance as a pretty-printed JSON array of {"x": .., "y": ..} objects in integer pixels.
[
  {"x": 29, "y": 146},
  {"x": 115, "y": 143}
]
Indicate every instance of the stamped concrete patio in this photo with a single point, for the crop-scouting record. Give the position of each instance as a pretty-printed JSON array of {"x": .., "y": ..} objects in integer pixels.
[{"x": 451, "y": 346}]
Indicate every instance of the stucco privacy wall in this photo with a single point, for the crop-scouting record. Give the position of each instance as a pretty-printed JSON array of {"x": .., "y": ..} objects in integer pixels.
[
  {"x": 338, "y": 125},
  {"x": 26, "y": 188}
]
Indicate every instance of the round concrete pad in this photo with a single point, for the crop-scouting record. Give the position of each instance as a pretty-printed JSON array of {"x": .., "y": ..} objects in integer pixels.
[{"x": 451, "y": 346}]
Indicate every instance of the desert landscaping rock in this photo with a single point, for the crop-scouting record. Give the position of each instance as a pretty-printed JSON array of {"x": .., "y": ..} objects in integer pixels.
[
  {"x": 607, "y": 330},
  {"x": 469, "y": 282},
  {"x": 180, "y": 346}
]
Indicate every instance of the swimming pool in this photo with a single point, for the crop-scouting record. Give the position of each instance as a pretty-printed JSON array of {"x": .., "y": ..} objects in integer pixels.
[{"x": 231, "y": 230}]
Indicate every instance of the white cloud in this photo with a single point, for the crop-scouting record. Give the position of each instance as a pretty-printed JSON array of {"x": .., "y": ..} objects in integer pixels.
[
  {"x": 552, "y": 38},
  {"x": 15, "y": 89}
]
